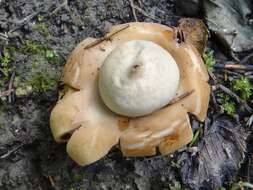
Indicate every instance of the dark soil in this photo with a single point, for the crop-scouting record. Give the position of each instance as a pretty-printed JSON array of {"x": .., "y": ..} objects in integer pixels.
[{"x": 41, "y": 35}]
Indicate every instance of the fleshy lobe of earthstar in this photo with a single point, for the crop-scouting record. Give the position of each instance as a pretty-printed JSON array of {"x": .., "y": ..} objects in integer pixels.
[{"x": 137, "y": 78}]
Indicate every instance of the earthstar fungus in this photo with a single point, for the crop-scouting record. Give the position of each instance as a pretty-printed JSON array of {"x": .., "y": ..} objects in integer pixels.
[{"x": 149, "y": 80}]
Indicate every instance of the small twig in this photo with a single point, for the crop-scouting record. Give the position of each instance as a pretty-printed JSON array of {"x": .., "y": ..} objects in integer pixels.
[
  {"x": 236, "y": 74},
  {"x": 106, "y": 37},
  {"x": 3, "y": 36},
  {"x": 216, "y": 105},
  {"x": 212, "y": 75},
  {"x": 245, "y": 59},
  {"x": 24, "y": 21},
  {"x": 64, "y": 4},
  {"x": 248, "y": 73},
  {"x": 6, "y": 93},
  {"x": 11, "y": 80},
  {"x": 235, "y": 66},
  {"x": 250, "y": 121},
  {"x": 145, "y": 13},
  {"x": 11, "y": 151},
  {"x": 11, "y": 85},
  {"x": 133, "y": 10},
  {"x": 51, "y": 180},
  {"x": 180, "y": 97},
  {"x": 225, "y": 75},
  {"x": 139, "y": 2},
  {"x": 238, "y": 99},
  {"x": 233, "y": 55}
]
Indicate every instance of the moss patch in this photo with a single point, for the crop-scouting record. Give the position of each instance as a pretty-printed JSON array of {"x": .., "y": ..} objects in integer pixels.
[
  {"x": 6, "y": 66},
  {"x": 243, "y": 86},
  {"x": 209, "y": 59},
  {"x": 41, "y": 72}
]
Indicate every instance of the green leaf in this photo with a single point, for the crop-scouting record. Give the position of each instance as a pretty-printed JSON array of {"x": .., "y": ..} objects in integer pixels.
[{"x": 195, "y": 138}]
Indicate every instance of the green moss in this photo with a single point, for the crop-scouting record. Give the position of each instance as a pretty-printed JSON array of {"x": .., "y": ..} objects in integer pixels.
[
  {"x": 244, "y": 87},
  {"x": 6, "y": 67},
  {"x": 229, "y": 107},
  {"x": 40, "y": 18},
  {"x": 32, "y": 47},
  {"x": 5, "y": 60},
  {"x": 5, "y": 63},
  {"x": 77, "y": 178},
  {"x": 42, "y": 77},
  {"x": 42, "y": 82},
  {"x": 227, "y": 104},
  {"x": 41, "y": 26},
  {"x": 209, "y": 59},
  {"x": 38, "y": 76},
  {"x": 52, "y": 56},
  {"x": 41, "y": 71},
  {"x": 35, "y": 48},
  {"x": 22, "y": 88}
]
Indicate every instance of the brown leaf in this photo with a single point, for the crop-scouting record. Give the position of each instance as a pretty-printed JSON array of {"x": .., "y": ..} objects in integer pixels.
[{"x": 195, "y": 32}]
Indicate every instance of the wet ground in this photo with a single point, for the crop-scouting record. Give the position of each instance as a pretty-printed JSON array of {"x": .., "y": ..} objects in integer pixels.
[{"x": 39, "y": 36}]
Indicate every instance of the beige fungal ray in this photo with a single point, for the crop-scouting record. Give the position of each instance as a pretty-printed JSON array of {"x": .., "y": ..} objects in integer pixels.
[{"x": 164, "y": 127}]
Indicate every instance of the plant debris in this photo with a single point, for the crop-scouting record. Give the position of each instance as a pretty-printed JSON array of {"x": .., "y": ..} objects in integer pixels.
[
  {"x": 220, "y": 153},
  {"x": 194, "y": 32}
]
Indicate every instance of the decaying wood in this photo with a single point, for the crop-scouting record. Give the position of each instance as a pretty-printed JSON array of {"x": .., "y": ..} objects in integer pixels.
[{"x": 194, "y": 32}]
